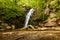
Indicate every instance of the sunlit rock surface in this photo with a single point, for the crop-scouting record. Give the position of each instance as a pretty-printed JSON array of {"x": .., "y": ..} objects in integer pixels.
[
  {"x": 51, "y": 21},
  {"x": 30, "y": 35}
]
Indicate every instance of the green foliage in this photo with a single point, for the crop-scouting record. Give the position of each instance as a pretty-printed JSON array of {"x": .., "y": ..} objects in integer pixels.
[
  {"x": 56, "y": 5},
  {"x": 41, "y": 5},
  {"x": 9, "y": 9},
  {"x": 38, "y": 4},
  {"x": 58, "y": 13},
  {"x": 16, "y": 8},
  {"x": 13, "y": 8}
]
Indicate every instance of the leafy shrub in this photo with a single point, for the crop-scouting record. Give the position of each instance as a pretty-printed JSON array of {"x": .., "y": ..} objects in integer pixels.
[
  {"x": 9, "y": 9},
  {"x": 12, "y": 13}
]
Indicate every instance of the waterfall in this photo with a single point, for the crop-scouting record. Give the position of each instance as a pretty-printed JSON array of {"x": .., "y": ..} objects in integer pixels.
[{"x": 28, "y": 16}]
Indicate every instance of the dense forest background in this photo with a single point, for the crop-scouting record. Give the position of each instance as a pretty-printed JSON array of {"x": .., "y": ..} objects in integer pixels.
[{"x": 13, "y": 12}]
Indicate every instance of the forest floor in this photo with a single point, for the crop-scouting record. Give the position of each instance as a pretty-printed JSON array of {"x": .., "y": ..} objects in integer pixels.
[{"x": 30, "y": 35}]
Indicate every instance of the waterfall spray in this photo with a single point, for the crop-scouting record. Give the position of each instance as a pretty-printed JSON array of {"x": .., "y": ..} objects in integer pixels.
[{"x": 28, "y": 16}]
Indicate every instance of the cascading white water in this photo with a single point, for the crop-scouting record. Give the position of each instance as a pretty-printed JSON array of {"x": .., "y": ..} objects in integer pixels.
[{"x": 28, "y": 16}]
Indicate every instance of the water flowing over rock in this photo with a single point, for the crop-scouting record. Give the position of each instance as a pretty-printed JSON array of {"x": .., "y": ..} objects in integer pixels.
[{"x": 28, "y": 16}]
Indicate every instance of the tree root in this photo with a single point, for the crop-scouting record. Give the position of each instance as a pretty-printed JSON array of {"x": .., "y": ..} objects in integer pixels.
[{"x": 32, "y": 27}]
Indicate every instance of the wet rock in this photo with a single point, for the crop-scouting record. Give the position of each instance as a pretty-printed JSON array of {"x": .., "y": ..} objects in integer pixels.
[
  {"x": 52, "y": 24},
  {"x": 5, "y": 26},
  {"x": 13, "y": 26},
  {"x": 35, "y": 15},
  {"x": 58, "y": 22},
  {"x": 51, "y": 21},
  {"x": 41, "y": 24}
]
